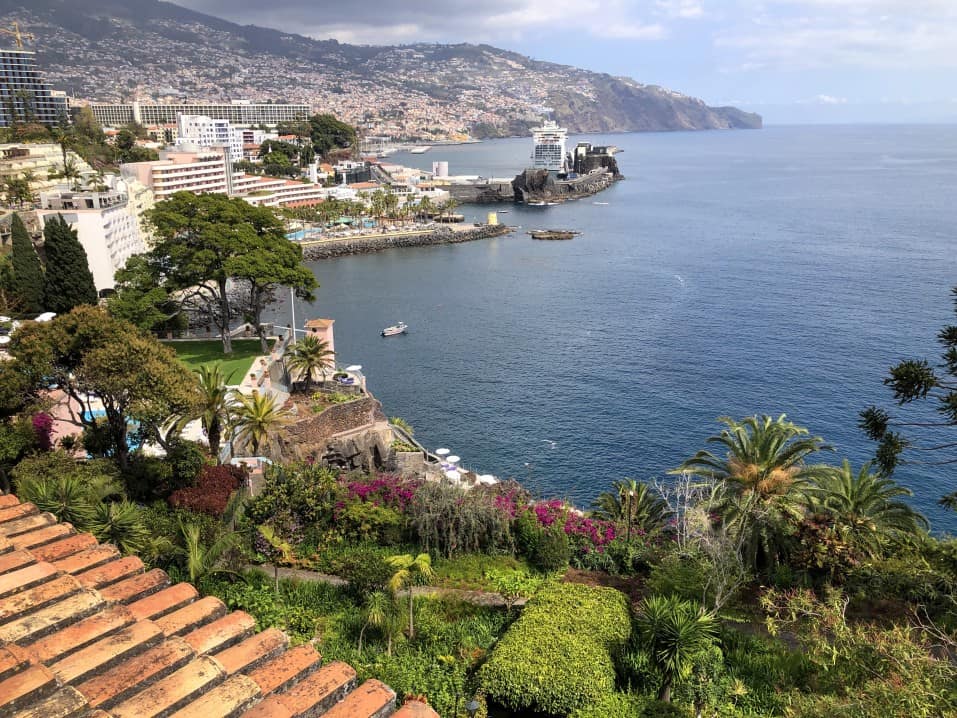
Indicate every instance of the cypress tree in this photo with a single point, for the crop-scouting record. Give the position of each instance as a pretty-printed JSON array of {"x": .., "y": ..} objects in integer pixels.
[
  {"x": 69, "y": 282},
  {"x": 27, "y": 272}
]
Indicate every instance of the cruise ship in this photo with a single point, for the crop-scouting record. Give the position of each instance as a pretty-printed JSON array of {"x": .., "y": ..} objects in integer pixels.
[{"x": 548, "y": 151}]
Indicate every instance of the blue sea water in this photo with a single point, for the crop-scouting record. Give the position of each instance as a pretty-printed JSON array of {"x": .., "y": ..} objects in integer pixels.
[{"x": 732, "y": 273}]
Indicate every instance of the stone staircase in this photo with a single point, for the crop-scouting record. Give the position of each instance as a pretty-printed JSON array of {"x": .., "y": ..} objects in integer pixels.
[{"x": 88, "y": 633}]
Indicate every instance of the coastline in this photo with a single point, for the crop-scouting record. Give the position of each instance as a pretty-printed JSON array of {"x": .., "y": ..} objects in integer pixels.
[{"x": 362, "y": 244}]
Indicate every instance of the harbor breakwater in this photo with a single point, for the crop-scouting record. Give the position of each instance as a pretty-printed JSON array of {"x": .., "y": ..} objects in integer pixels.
[{"x": 362, "y": 244}]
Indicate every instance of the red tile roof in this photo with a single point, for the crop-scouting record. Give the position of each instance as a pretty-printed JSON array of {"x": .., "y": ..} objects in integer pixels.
[{"x": 87, "y": 633}]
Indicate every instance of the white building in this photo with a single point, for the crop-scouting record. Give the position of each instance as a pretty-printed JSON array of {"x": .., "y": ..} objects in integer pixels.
[
  {"x": 548, "y": 149},
  {"x": 106, "y": 226},
  {"x": 207, "y": 132},
  {"x": 189, "y": 169},
  {"x": 39, "y": 162},
  {"x": 238, "y": 112}
]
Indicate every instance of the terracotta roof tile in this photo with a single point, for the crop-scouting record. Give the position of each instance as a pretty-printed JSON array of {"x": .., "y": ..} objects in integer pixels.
[
  {"x": 29, "y": 685},
  {"x": 372, "y": 698},
  {"x": 253, "y": 651},
  {"x": 36, "y": 598},
  {"x": 65, "y": 703},
  {"x": 85, "y": 632},
  {"x": 8, "y": 513},
  {"x": 221, "y": 633},
  {"x": 108, "y": 651},
  {"x": 26, "y": 577},
  {"x": 286, "y": 669},
  {"x": 12, "y": 560},
  {"x": 163, "y": 602},
  {"x": 173, "y": 691},
  {"x": 110, "y": 572},
  {"x": 130, "y": 676},
  {"x": 232, "y": 697},
  {"x": 192, "y": 616},
  {"x": 136, "y": 587},
  {"x": 40, "y": 536},
  {"x": 72, "y": 638},
  {"x": 64, "y": 547},
  {"x": 55, "y": 616},
  {"x": 87, "y": 559}
]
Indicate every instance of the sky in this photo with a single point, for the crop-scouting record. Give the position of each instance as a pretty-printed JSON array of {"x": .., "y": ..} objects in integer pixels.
[{"x": 793, "y": 61}]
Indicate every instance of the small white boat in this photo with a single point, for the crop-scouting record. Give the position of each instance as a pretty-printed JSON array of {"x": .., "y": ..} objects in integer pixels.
[{"x": 395, "y": 329}]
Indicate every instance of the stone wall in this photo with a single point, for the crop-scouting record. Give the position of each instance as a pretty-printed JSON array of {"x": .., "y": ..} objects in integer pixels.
[{"x": 361, "y": 245}]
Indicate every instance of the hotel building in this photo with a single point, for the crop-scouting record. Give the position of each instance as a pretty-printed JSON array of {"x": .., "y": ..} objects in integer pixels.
[
  {"x": 25, "y": 96},
  {"x": 238, "y": 113}
]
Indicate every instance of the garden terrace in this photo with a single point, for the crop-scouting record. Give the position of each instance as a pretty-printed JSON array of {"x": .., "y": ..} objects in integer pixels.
[
  {"x": 197, "y": 353},
  {"x": 88, "y": 633}
]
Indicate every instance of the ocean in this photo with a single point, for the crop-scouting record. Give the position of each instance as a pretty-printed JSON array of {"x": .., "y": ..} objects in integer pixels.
[{"x": 732, "y": 273}]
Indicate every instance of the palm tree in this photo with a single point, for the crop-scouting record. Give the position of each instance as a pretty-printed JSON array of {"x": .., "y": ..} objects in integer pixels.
[
  {"x": 426, "y": 208},
  {"x": 308, "y": 356},
  {"x": 409, "y": 570},
  {"x": 121, "y": 524},
  {"x": 215, "y": 404},
  {"x": 258, "y": 417},
  {"x": 764, "y": 469},
  {"x": 202, "y": 560},
  {"x": 865, "y": 504},
  {"x": 672, "y": 631},
  {"x": 379, "y": 613},
  {"x": 634, "y": 503},
  {"x": 70, "y": 172}
]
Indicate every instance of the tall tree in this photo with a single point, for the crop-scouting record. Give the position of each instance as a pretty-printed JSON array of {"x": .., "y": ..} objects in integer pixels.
[
  {"x": 92, "y": 356},
  {"x": 915, "y": 380},
  {"x": 27, "y": 272},
  {"x": 206, "y": 241},
  {"x": 68, "y": 280},
  {"x": 215, "y": 402}
]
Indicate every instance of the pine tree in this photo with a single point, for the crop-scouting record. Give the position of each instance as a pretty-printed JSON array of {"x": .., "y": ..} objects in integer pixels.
[
  {"x": 69, "y": 282},
  {"x": 27, "y": 272}
]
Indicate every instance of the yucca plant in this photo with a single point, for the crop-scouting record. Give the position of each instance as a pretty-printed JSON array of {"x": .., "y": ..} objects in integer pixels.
[
  {"x": 256, "y": 418},
  {"x": 121, "y": 524}
]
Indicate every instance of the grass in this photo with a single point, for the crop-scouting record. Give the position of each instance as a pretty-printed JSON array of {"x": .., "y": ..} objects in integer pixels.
[
  {"x": 195, "y": 354},
  {"x": 468, "y": 570}
]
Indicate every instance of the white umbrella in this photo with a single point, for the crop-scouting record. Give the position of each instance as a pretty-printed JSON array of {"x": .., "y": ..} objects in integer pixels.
[
  {"x": 453, "y": 475},
  {"x": 4, "y": 339},
  {"x": 354, "y": 367},
  {"x": 4, "y": 319},
  {"x": 45, "y": 317},
  {"x": 442, "y": 452},
  {"x": 453, "y": 459}
]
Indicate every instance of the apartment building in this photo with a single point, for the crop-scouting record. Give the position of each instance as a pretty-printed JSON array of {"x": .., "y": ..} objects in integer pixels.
[
  {"x": 25, "y": 95},
  {"x": 189, "y": 169},
  {"x": 106, "y": 226},
  {"x": 207, "y": 132}
]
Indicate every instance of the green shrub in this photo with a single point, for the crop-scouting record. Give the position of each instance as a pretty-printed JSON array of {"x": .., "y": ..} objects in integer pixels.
[
  {"x": 613, "y": 705},
  {"x": 551, "y": 551},
  {"x": 682, "y": 575},
  {"x": 660, "y": 709},
  {"x": 557, "y": 656},
  {"x": 365, "y": 569}
]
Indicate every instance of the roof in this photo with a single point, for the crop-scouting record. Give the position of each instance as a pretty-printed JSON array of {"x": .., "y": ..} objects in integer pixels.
[
  {"x": 319, "y": 323},
  {"x": 87, "y": 632}
]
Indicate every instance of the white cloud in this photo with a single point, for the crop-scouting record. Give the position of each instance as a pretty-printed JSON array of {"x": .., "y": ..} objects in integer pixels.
[
  {"x": 830, "y": 100},
  {"x": 806, "y": 34}
]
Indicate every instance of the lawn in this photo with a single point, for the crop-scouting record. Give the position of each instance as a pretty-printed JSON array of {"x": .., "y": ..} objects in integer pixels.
[{"x": 195, "y": 354}]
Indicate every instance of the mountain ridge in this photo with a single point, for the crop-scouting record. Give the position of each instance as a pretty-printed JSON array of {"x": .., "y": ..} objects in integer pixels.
[{"x": 108, "y": 50}]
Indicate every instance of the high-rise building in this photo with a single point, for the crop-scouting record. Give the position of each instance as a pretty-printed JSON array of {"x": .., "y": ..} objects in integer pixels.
[
  {"x": 548, "y": 151},
  {"x": 207, "y": 132},
  {"x": 25, "y": 96}
]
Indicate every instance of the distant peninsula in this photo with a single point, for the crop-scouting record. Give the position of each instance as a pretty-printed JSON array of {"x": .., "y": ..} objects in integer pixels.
[{"x": 114, "y": 51}]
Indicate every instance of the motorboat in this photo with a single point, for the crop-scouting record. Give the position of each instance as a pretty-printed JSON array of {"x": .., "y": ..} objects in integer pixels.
[{"x": 395, "y": 329}]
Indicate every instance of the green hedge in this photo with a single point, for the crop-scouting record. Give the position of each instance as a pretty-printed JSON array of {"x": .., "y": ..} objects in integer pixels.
[{"x": 557, "y": 656}]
